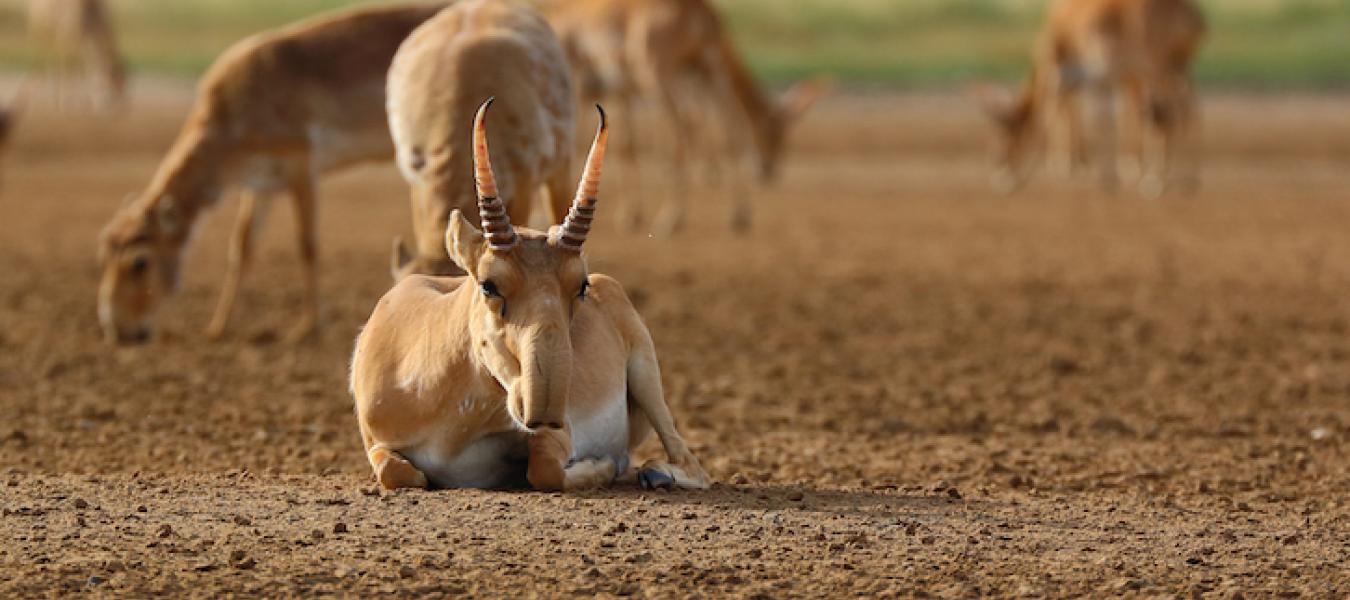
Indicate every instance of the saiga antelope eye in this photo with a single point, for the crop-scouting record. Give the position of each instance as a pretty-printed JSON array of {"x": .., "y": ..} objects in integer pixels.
[
  {"x": 490, "y": 290},
  {"x": 585, "y": 285},
  {"x": 139, "y": 265}
]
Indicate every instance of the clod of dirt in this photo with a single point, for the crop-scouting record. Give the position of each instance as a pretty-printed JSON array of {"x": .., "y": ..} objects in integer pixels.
[
  {"x": 95, "y": 580},
  {"x": 265, "y": 337},
  {"x": 242, "y": 521},
  {"x": 796, "y": 496},
  {"x": 740, "y": 479},
  {"x": 316, "y": 534},
  {"x": 954, "y": 493},
  {"x": 407, "y": 572},
  {"x": 1111, "y": 425},
  {"x": 80, "y": 503},
  {"x": 1063, "y": 365},
  {"x": 164, "y": 531},
  {"x": 339, "y": 527}
]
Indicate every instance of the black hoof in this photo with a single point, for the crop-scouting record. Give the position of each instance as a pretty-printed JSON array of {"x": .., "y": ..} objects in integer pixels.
[{"x": 652, "y": 479}]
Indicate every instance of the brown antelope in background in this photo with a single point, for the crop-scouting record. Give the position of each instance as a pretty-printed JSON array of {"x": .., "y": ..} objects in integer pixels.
[
  {"x": 1142, "y": 48},
  {"x": 75, "y": 35},
  {"x": 529, "y": 369},
  {"x": 273, "y": 113},
  {"x": 678, "y": 53},
  {"x": 478, "y": 49}
]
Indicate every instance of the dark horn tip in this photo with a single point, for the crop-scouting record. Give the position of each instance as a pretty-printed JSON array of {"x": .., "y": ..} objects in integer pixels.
[{"x": 604, "y": 121}]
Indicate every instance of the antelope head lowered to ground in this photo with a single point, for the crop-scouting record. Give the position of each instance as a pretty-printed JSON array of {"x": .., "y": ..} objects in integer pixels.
[
  {"x": 529, "y": 369},
  {"x": 1139, "y": 48},
  {"x": 274, "y": 113}
]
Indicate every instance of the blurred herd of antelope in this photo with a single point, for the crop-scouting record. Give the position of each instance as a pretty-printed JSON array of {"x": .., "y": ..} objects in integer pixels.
[{"x": 498, "y": 357}]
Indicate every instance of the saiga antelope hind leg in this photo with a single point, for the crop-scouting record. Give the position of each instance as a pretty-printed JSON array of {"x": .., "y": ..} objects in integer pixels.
[
  {"x": 306, "y": 220},
  {"x": 682, "y": 469},
  {"x": 241, "y": 256}
]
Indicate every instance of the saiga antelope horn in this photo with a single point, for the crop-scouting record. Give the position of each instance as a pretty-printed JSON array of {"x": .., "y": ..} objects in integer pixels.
[
  {"x": 491, "y": 209},
  {"x": 578, "y": 221}
]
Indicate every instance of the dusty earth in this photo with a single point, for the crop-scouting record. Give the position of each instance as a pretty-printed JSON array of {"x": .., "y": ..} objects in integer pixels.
[{"x": 904, "y": 385}]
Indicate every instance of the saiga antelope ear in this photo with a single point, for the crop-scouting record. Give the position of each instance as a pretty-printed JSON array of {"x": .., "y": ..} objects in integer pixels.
[
  {"x": 802, "y": 96},
  {"x": 399, "y": 258},
  {"x": 464, "y": 243}
]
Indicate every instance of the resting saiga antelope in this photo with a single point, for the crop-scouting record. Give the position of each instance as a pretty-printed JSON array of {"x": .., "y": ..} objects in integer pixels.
[
  {"x": 528, "y": 369},
  {"x": 273, "y": 113},
  {"x": 678, "y": 53},
  {"x": 75, "y": 34},
  {"x": 1142, "y": 48},
  {"x": 474, "y": 50}
]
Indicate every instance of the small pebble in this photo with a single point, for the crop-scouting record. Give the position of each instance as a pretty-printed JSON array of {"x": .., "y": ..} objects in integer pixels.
[
  {"x": 796, "y": 495},
  {"x": 80, "y": 503},
  {"x": 339, "y": 528},
  {"x": 407, "y": 572},
  {"x": 242, "y": 521},
  {"x": 164, "y": 531}
]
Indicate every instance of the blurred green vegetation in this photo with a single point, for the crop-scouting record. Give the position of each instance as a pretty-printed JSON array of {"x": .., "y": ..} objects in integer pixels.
[{"x": 883, "y": 43}]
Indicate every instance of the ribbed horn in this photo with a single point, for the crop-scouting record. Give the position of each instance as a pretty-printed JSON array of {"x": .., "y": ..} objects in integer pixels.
[
  {"x": 491, "y": 209},
  {"x": 578, "y": 222}
]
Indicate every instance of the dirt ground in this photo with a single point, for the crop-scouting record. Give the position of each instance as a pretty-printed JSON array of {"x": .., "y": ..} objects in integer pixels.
[{"x": 904, "y": 384}]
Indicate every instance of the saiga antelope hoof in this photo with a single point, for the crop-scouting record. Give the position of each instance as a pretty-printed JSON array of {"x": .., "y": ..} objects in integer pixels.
[
  {"x": 655, "y": 479},
  {"x": 395, "y": 472}
]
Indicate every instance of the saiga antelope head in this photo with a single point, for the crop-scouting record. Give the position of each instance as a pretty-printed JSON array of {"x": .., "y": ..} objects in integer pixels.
[{"x": 529, "y": 286}]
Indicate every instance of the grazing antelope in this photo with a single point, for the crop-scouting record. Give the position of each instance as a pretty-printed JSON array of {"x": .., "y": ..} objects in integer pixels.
[
  {"x": 77, "y": 34},
  {"x": 474, "y": 50},
  {"x": 1140, "y": 47},
  {"x": 273, "y": 113},
  {"x": 528, "y": 369},
  {"x": 677, "y": 52}
]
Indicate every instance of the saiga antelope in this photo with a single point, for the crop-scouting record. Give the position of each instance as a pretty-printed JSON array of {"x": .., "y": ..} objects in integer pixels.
[
  {"x": 273, "y": 113},
  {"x": 530, "y": 369},
  {"x": 77, "y": 34},
  {"x": 1142, "y": 48},
  {"x": 473, "y": 50},
  {"x": 678, "y": 53}
]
